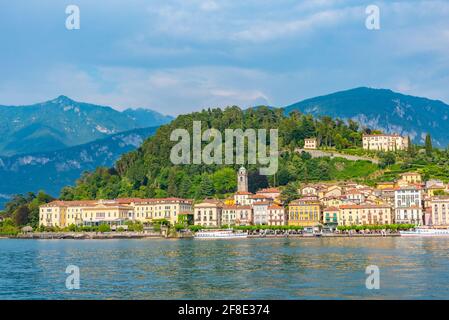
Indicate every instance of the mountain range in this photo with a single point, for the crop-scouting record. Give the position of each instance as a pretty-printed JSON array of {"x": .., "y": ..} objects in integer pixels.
[
  {"x": 52, "y": 170},
  {"x": 385, "y": 110},
  {"x": 63, "y": 122},
  {"x": 47, "y": 146}
]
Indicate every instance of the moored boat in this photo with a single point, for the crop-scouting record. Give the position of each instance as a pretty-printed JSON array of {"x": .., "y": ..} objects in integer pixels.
[
  {"x": 220, "y": 234},
  {"x": 425, "y": 232}
]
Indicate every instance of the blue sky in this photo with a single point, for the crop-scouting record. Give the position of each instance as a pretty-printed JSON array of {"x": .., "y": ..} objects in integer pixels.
[{"x": 176, "y": 56}]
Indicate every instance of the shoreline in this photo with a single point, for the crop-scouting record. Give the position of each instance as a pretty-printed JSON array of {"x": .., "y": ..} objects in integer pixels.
[{"x": 135, "y": 235}]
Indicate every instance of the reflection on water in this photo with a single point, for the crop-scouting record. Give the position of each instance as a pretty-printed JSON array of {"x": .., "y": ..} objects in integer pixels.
[{"x": 239, "y": 269}]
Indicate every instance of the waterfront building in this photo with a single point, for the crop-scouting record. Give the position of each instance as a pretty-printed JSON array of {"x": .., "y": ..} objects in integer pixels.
[
  {"x": 276, "y": 215},
  {"x": 244, "y": 215},
  {"x": 186, "y": 218},
  {"x": 228, "y": 215},
  {"x": 208, "y": 213},
  {"x": 74, "y": 210},
  {"x": 148, "y": 210},
  {"x": 305, "y": 212},
  {"x": 365, "y": 214},
  {"x": 62, "y": 213},
  {"x": 384, "y": 142},
  {"x": 310, "y": 143},
  {"x": 94, "y": 212},
  {"x": 330, "y": 217},
  {"x": 260, "y": 212},
  {"x": 236, "y": 215},
  {"x": 349, "y": 215},
  {"x": 408, "y": 205},
  {"x": 440, "y": 211},
  {"x": 376, "y": 214},
  {"x": 107, "y": 212},
  {"x": 427, "y": 216}
]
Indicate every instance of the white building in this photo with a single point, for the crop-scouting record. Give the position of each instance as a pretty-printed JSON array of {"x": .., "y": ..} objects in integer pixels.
[
  {"x": 440, "y": 211},
  {"x": 310, "y": 143},
  {"x": 208, "y": 213},
  {"x": 236, "y": 215},
  {"x": 384, "y": 142},
  {"x": 277, "y": 215},
  {"x": 260, "y": 212},
  {"x": 408, "y": 205}
]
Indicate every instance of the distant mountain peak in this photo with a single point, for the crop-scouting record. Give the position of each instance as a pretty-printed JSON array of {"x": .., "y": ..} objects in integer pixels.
[
  {"x": 62, "y": 99},
  {"x": 52, "y": 124},
  {"x": 383, "y": 109}
]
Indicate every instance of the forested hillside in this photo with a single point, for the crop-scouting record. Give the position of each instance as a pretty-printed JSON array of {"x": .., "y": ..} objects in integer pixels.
[{"x": 148, "y": 171}]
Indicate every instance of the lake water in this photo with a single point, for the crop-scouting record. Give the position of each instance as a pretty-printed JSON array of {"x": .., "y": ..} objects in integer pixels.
[{"x": 410, "y": 268}]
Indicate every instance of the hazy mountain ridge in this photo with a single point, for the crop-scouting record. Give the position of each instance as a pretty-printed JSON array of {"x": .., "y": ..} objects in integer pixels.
[
  {"x": 385, "y": 110},
  {"x": 63, "y": 122},
  {"x": 50, "y": 171}
]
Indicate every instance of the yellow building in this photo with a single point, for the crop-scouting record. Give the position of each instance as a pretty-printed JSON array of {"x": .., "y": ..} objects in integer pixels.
[
  {"x": 410, "y": 178},
  {"x": 93, "y": 212},
  {"x": 305, "y": 212},
  {"x": 147, "y": 210},
  {"x": 209, "y": 213},
  {"x": 386, "y": 185},
  {"x": 107, "y": 212},
  {"x": 366, "y": 214},
  {"x": 63, "y": 213}
]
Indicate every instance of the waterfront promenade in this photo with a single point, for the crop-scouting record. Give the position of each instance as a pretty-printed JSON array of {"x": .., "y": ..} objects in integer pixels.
[{"x": 146, "y": 235}]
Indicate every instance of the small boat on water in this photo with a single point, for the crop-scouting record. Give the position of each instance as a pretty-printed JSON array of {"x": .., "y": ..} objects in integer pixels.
[
  {"x": 220, "y": 234},
  {"x": 425, "y": 232}
]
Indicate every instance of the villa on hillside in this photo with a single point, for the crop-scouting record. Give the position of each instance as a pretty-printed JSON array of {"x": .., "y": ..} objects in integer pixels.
[
  {"x": 384, "y": 142},
  {"x": 310, "y": 143}
]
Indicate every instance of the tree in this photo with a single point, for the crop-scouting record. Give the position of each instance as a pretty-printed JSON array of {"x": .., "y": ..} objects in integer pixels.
[
  {"x": 289, "y": 193},
  {"x": 428, "y": 145},
  {"x": 104, "y": 228},
  {"x": 224, "y": 180},
  {"x": 206, "y": 187},
  {"x": 20, "y": 215},
  {"x": 387, "y": 159}
]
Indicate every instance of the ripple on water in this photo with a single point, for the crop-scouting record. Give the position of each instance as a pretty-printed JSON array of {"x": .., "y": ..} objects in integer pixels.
[{"x": 241, "y": 269}]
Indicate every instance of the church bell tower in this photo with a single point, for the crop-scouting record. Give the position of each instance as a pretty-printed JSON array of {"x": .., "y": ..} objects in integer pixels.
[{"x": 242, "y": 180}]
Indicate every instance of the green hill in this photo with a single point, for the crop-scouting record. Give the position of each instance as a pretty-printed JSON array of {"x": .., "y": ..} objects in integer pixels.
[
  {"x": 385, "y": 110},
  {"x": 148, "y": 171}
]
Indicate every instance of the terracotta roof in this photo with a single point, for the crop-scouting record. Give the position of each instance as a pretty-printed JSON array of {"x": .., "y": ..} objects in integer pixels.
[
  {"x": 261, "y": 203},
  {"x": 75, "y": 203},
  {"x": 363, "y": 206},
  {"x": 269, "y": 190},
  {"x": 259, "y": 196},
  {"x": 275, "y": 207},
  {"x": 236, "y": 207},
  {"x": 242, "y": 192},
  {"x": 152, "y": 200}
]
